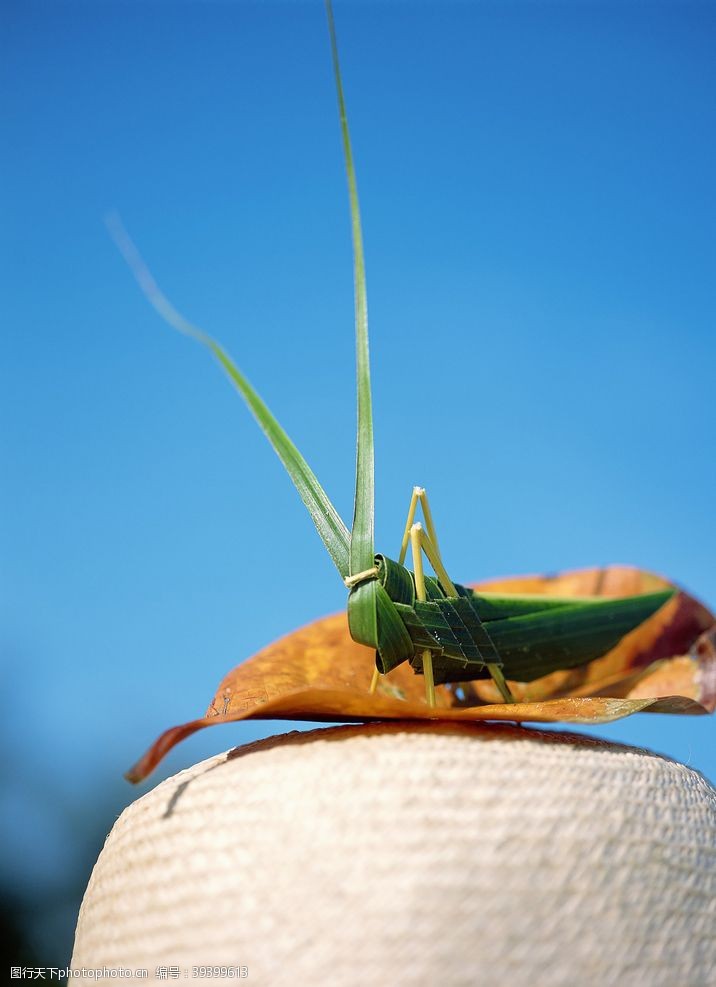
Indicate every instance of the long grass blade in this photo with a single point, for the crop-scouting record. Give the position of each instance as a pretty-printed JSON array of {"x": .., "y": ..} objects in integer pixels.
[
  {"x": 362, "y": 536},
  {"x": 328, "y": 522}
]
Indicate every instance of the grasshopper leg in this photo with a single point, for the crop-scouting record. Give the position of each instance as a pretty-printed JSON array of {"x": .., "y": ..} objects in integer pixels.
[
  {"x": 429, "y": 543},
  {"x": 418, "y": 496},
  {"x": 416, "y": 531}
]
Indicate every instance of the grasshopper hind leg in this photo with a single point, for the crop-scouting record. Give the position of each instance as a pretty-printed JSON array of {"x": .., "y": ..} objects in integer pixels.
[
  {"x": 499, "y": 679},
  {"x": 430, "y": 546},
  {"x": 426, "y": 540},
  {"x": 418, "y": 497}
]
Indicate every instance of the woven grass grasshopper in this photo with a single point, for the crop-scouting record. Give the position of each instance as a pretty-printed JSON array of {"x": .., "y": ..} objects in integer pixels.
[{"x": 447, "y": 632}]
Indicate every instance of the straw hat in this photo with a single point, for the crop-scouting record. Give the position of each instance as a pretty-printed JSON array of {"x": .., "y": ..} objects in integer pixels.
[{"x": 414, "y": 854}]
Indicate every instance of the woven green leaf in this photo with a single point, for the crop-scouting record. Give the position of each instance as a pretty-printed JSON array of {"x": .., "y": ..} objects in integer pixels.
[
  {"x": 533, "y": 645},
  {"x": 526, "y": 636},
  {"x": 461, "y": 634}
]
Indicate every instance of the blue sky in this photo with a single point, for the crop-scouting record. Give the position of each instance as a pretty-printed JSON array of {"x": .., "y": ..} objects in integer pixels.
[{"x": 537, "y": 191}]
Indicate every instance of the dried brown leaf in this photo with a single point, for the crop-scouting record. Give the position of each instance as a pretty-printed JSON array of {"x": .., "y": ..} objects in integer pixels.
[{"x": 319, "y": 673}]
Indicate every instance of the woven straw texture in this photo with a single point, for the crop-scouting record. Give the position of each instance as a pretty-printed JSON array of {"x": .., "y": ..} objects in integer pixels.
[{"x": 405, "y": 854}]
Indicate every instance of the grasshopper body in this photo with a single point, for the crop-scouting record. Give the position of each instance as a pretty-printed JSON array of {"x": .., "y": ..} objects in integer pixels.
[{"x": 525, "y": 636}]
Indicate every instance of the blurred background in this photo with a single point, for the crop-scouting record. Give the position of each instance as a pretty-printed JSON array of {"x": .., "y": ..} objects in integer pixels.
[{"x": 537, "y": 191}]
